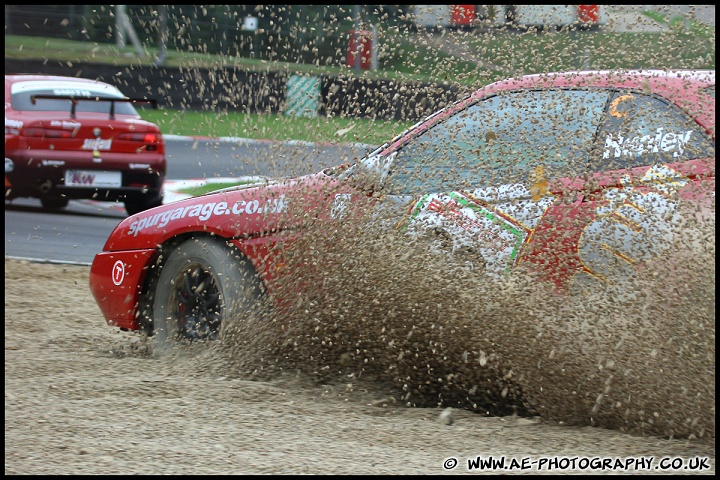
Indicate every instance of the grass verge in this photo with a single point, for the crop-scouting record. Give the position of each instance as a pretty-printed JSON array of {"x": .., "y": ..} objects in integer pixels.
[{"x": 274, "y": 127}]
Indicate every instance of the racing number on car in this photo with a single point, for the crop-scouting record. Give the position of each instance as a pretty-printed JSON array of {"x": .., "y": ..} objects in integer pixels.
[
  {"x": 629, "y": 227},
  {"x": 118, "y": 272}
]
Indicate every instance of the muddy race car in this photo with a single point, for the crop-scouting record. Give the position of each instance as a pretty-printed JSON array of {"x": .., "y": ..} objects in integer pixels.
[
  {"x": 73, "y": 138},
  {"x": 578, "y": 177}
]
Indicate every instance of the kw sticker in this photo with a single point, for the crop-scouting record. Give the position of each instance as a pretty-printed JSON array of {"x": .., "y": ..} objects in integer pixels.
[{"x": 81, "y": 178}]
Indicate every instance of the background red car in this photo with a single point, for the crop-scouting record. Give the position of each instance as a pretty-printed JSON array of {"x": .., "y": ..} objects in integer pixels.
[{"x": 72, "y": 138}]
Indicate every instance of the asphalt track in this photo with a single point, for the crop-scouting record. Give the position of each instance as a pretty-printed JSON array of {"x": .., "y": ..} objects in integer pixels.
[{"x": 75, "y": 234}]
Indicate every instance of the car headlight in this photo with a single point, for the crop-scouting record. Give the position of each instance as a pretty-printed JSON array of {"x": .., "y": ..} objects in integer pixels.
[{"x": 9, "y": 165}]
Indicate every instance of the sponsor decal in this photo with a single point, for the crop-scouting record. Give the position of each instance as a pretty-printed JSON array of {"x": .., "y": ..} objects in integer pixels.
[
  {"x": 96, "y": 144},
  {"x": 497, "y": 237},
  {"x": 10, "y": 123},
  {"x": 72, "y": 92},
  {"x": 340, "y": 205},
  {"x": 204, "y": 211},
  {"x": 493, "y": 221},
  {"x": 630, "y": 226},
  {"x": 614, "y": 111},
  {"x": 118, "y": 272},
  {"x": 661, "y": 141},
  {"x": 539, "y": 187},
  {"x": 95, "y": 178},
  {"x": 65, "y": 124},
  {"x": 80, "y": 178},
  {"x": 52, "y": 163}
]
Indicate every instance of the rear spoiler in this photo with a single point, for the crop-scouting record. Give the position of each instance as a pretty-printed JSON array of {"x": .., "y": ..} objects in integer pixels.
[{"x": 76, "y": 100}]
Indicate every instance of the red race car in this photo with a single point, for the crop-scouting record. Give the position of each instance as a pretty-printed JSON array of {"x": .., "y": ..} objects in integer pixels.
[
  {"x": 72, "y": 138},
  {"x": 578, "y": 176}
]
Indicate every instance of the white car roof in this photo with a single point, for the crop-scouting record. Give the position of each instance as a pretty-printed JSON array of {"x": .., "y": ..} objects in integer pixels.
[{"x": 74, "y": 88}]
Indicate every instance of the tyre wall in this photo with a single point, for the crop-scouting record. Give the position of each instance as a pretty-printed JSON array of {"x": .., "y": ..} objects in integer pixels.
[{"x": 230, "y": 89}]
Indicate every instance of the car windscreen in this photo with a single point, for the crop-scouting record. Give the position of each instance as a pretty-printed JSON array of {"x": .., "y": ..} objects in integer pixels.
[
  {"x": 22, "y": 101},
  {"x": 507, "y": 138}
]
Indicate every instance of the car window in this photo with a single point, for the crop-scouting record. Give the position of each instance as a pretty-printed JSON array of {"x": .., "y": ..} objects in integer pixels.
[
  {"x": 503, "y": 139},
  {"x": 22, "y": 101},
  {"x": 643, "y": 129}
]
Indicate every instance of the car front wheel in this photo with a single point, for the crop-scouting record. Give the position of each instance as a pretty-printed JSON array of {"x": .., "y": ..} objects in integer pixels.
[
  {"x": 203, "y": 286},
  {"x": 137, "y": 205}
]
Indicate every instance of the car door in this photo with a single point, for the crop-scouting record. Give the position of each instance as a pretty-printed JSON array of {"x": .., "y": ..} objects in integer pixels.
[
  {"x": 648, "y": 156},
  {"x": 481, "y": 180}
]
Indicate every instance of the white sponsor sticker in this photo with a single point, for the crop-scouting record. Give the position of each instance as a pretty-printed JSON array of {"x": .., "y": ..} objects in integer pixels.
[
  {"x": 662, "y": 141},
  {"x": 203, "y": 211},
  {"x": 65, "y": 124},
  {"x": 340, "y": 205},
  {"x": 96, "y": 144},
  {"x": 14, "y": 124}
]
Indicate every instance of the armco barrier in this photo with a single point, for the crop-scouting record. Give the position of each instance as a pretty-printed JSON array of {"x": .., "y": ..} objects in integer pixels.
[
  {"x": 231, "y": 89},
  {"x": 178, "y": 88}
]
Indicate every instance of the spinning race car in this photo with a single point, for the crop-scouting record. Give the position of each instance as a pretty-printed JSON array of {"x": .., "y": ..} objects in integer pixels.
[{"x": 577, "y": 176}]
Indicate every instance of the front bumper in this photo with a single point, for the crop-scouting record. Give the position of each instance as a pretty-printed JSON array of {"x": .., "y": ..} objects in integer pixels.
[{"x": 116, "y": 280}]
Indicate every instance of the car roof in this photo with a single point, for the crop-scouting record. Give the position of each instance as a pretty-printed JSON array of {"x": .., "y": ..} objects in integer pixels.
[
  {"x": 667, "y": 83},
  {"x": 61, "y": 85},
  {"x": 25, "y": 77},
  {"x": 24, "y": 82},
  {"x": 681, "y": 87}
]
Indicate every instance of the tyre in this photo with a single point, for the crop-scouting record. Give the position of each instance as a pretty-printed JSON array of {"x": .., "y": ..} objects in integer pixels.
[
  {"x": 137, "y": 205},
  {"x": 203, "y": 286},
  {"x": 54, "y": 203}
]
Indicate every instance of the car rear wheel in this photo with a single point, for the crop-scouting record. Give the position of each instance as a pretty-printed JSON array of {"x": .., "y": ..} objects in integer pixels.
[
  {"x": 203, "y": 286},
  {"x": 54, "y": 203}
]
